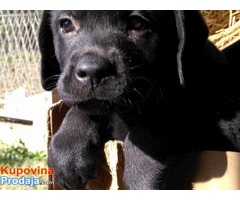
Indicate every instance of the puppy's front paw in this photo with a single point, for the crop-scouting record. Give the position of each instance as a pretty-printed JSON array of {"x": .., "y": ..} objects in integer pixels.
[{"x": 73, "y": 165}]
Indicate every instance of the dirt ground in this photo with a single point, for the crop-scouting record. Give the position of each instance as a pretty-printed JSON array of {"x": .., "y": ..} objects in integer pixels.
[
  {"x": 32, "y": 109},
  {"x": 32, "y": 136}
]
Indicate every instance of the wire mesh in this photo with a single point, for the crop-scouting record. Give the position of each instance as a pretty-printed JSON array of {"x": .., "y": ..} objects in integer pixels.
[{"x": 19, "y": 54}]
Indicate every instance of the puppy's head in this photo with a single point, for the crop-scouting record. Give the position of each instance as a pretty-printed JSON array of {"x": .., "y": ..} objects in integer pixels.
[{"x": 105, "y": 58}]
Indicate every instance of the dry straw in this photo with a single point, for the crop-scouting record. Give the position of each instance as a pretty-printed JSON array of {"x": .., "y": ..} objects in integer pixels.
[{"x": 224, "y": 26}]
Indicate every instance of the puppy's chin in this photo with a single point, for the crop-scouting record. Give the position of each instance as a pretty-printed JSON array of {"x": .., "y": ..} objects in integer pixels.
[
  {"x": 94, "y": 104},
  {"x": 106, "y": 101},
  {"x": 100, "y": 107}
]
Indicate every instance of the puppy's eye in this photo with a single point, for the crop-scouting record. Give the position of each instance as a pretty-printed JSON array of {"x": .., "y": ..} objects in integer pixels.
[
  {"x": 66, "y": 25},
  {"x": 137, "y": 26}
]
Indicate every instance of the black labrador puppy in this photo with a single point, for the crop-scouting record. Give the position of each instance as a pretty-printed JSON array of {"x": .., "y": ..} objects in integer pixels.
[{"x": 149, "y": 78}]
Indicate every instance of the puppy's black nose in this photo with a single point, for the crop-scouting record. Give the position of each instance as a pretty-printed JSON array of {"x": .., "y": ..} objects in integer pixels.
[{"x": 94, "y": 68}]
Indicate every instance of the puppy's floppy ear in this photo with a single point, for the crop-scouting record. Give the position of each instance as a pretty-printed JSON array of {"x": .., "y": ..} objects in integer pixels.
[
  {"x": 50, "y": 69},
  {"x": 193, "y": 33}
]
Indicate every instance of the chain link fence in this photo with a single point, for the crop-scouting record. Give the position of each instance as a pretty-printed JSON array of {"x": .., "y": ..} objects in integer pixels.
[{"x": 19, "y": 54}]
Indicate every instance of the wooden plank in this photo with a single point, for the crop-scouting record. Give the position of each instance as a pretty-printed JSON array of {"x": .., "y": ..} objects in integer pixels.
[{"x": 15, "y": 120}]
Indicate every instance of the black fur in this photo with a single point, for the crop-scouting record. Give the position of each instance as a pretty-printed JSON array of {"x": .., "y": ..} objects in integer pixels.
[{"x": 149, "y": 78}]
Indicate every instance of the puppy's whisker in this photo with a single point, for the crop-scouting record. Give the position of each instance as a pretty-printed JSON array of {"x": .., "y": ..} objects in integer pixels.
[
  {"x": 139, "y": 109},
  {"x": 137, "y": 91},
  {"x": 61, "y": 105},
  {"x": 52, "y": 81},
  {"x": 51, "y": 85},
  {"x": 130, "y": 102},
  {"x": 53, "y": 77},
  {"x": 125, "y": 100},
  {"x": 136, "y": 66},
  {"x": 54, "y": 56},
  {"x": 153, "y": 83}
]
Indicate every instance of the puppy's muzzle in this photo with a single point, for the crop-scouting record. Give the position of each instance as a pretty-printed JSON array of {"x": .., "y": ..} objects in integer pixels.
[{"x": 94, "y": 69}]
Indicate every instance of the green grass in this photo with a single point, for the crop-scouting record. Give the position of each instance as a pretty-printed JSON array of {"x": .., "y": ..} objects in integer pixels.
[{"x": 20, "y": 157}]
